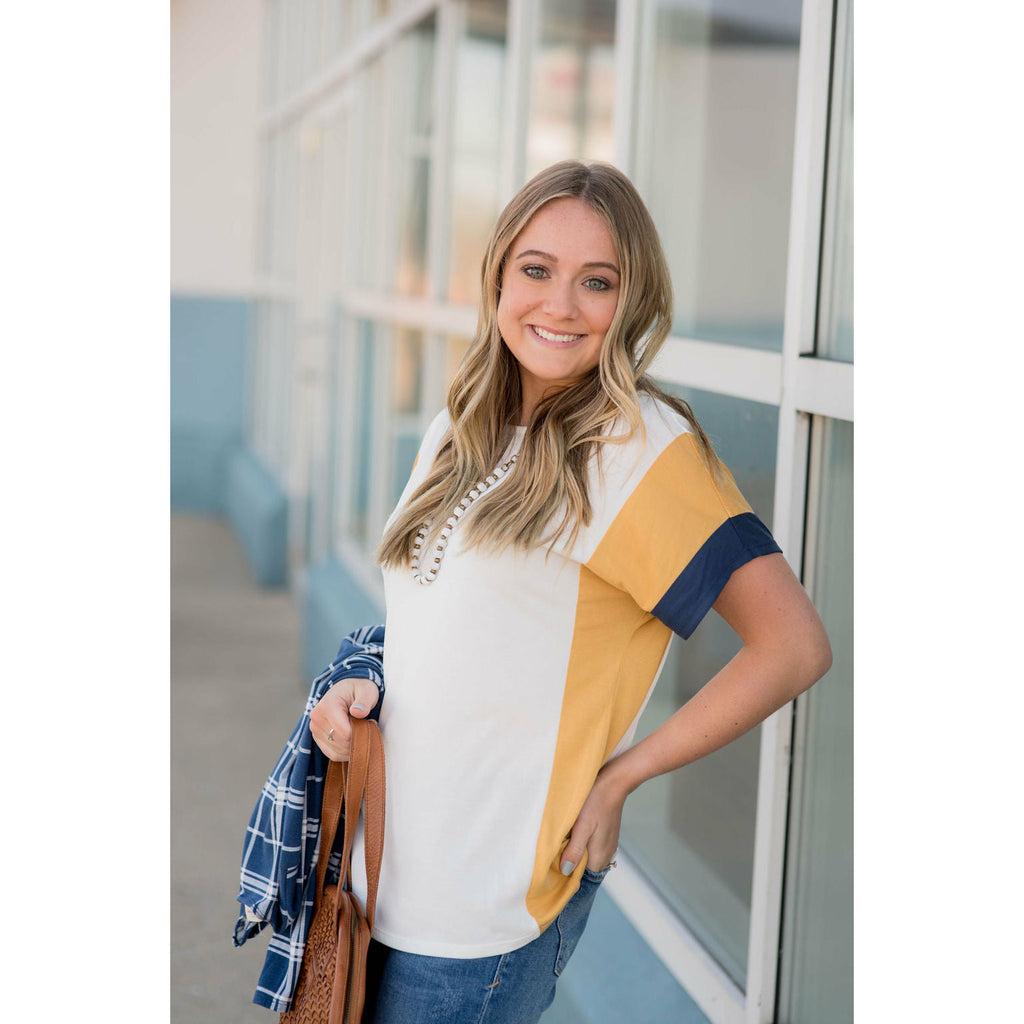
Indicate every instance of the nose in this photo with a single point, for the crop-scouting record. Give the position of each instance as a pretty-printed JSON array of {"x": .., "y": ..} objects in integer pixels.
[{"x": 560, "y": 300}]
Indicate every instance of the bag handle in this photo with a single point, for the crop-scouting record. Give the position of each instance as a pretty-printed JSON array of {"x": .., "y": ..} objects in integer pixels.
[
  {"x": 372, "y": 796},
  {"x": 346, "y": 785},
  {"x": 330, "y": 815}
]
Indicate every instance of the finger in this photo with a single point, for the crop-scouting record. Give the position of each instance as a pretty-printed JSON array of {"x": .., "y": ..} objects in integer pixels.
[
  {"x": 335, "y": 748},
  {"x": 364, "y": 697},
  {"x": 599, "y": 859},
  {"x": 574, "y": 849},
  {"x": 335, "y": 742},
  {"x": 330, "y": 728}
]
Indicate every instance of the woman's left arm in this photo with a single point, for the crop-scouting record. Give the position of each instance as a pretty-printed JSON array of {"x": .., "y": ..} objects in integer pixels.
[{"x": 785, "y": 650}]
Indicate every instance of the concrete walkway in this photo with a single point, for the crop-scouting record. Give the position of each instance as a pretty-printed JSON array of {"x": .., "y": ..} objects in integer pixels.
[{"x": 236, "y": 693}]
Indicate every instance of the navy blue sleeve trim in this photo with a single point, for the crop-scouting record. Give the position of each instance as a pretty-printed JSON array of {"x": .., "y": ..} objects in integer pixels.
[{"x": 696, "y": 588}]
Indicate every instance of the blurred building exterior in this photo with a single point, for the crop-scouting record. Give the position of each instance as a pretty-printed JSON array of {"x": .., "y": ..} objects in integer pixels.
[{"x": 336, "y": 169}]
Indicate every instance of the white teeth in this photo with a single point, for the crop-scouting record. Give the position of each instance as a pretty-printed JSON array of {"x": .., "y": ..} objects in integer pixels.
[{"x": 548, "y": 336}]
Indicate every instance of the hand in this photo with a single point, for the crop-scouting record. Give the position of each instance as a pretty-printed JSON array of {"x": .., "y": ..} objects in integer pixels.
[
  {"x": 329, "y": 720},
  {"x": 597, "y": 827}
]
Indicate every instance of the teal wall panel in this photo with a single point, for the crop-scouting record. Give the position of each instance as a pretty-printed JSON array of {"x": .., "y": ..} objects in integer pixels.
[
  {"x": 208, "y": 344},
  {"x": 333, "y": 604},
  {"x": 257, "y": 508}
]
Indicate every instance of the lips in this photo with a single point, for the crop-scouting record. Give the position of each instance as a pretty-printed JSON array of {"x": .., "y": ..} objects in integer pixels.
[{"x": 553, "y": 337}]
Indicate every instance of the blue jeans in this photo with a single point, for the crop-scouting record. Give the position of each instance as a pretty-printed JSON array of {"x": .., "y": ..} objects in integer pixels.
[{"x": 514, "y": 988}]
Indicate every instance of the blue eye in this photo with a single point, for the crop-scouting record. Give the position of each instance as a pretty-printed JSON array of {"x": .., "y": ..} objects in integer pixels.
[
  {"x": 535, "y": 273},
  {"x": 596, "y": 284}
]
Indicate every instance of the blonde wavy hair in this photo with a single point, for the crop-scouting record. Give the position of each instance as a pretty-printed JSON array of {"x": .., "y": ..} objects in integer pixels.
[{"x": 546, "y": 495}]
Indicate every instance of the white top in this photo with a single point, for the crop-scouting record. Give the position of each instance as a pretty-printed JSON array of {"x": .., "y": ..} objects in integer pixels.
[{"x": 513, "y": 677}]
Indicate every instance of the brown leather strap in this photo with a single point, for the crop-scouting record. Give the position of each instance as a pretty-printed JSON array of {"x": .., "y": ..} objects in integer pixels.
[
  {"x": 347, "y": 786},
  {"x": 355, "y": 784},
  {"x": 330, "y": 814},
  {"x": 374, "y": 822},
  {"x": 365, "y": 780}
]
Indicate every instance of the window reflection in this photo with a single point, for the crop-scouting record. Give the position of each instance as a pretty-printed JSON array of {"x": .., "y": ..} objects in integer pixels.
[
  {"x": 411, "y": 105},
  {"x": 476, "y": 142},
  {"x": 573, "y": 84},
  {"x": 411, "y": 266},
  {"x": 338, "y": 26},
  {"x": 715, "y": 121},
  {"x": 816, "y": 976},
  {"x": 455, "y": 350},
  {"x": 371, "y": 194},
  {"x": 407, "y": 371},
  {"x": 692, "y": 831},
  {"x": 406, "y": 423},
  {"x": 835, "y": 314},
  {"x": 279, "y": 230},
  {"x": 363, "y": 440},
  {"x": 395, "y": 102}
]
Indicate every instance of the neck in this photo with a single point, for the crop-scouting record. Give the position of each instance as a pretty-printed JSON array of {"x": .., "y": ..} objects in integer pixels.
[{"x": 533, "y": 394}]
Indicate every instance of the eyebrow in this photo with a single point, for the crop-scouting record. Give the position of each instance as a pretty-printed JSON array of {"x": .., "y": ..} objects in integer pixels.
[{"x": 554, "y": 259}]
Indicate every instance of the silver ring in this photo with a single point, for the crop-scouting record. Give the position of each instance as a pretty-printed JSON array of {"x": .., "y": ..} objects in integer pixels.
[{"x": 329, "y": 735}]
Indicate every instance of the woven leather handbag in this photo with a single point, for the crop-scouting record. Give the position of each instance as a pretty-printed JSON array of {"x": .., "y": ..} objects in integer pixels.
[{"x": 332, "y": 980}]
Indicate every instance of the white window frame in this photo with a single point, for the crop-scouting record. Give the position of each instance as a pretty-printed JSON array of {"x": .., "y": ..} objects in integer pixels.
[{"x": 799, "y": 385}]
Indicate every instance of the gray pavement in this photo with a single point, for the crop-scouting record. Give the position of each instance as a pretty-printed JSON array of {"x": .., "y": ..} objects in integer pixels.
[{"x": 236, "y": 692}]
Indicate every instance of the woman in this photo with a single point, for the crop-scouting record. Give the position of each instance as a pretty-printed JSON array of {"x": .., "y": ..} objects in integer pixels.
[{"x": 563, "y": 517}]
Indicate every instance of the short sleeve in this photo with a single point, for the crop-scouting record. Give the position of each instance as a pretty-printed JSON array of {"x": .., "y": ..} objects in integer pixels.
[
  {"x": 431, "y": 442},
  {"x": 678, "y": 537}
]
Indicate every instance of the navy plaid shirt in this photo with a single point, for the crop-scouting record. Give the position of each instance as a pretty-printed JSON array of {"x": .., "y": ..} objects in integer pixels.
[{"x": 278, "y": 876}]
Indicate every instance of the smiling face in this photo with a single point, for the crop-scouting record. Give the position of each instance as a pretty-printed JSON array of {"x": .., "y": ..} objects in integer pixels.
[{"x": 559, "y": 293}]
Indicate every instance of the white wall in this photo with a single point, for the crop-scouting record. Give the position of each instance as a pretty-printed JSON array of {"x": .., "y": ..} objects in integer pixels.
[{"x": 215, "y": 106}]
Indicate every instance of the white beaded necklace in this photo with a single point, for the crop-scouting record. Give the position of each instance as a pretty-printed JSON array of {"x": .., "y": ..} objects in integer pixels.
[{"x": 446, "y": 531}]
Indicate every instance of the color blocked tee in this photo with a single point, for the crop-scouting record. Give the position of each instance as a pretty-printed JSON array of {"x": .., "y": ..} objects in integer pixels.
[{"x": 513, "y": 677}]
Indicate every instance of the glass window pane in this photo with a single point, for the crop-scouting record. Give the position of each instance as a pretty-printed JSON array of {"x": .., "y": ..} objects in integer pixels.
[
  {"x": 338, "y": 26},
  {"x": 281, "y": 233},
  {"x": 406, "y": 399},
  {"x": 311, "y": 48},
  {"x": 410, "y": 271},
  {"x": 715, "y": 121},
  {"x": 363, "y": 440},
  {"x": 573, "y": 84},
  {"x": 407, "y": 371},
  {"x": 369, "y": 197},
  {"x": 407, "y": 444},
  {"x": 412, "y": 111},
  {"x": 455, "y": 350},
  {"x": 273, "y": 385},
  {"x": 271, "y": 50},
  {"x": 264, "y": 253},
  {"x": 332, "y": 469},
  {"x": 277, "y": 242},
  {"x": 338, "y": 249},
  {"x": 816, "y": 975},
  {"x": 835, "y": 313},
  {"x": 692, "y": 831},
  {"x": 476, "y": 143},
  {"x": 395, "y": 102}
]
